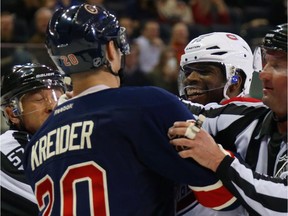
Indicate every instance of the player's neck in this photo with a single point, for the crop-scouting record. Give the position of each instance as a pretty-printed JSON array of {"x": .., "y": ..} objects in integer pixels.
[
  {"x": 282, "y": 127},
  {"x": 84, "y": 81}
]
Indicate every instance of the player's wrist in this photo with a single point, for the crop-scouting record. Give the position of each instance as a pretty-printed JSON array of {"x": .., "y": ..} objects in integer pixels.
[{"x": 219, "y": 157}]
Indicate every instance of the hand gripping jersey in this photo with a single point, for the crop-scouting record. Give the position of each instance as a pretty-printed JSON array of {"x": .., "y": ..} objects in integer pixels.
[
  {"x": 108, "y": 153},
  {"x": 186, "y": 202},
  {"x": 249, "y": 129}
]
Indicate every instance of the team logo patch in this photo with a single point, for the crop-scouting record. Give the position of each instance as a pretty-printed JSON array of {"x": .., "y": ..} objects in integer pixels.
[
  {"x": 91, "y": 9},
  {"x": 232, "y": 36}
]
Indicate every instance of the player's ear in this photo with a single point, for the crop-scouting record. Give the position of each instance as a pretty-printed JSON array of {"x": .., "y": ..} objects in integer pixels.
[
  {"x": 11, "y": 115},
  {"x": 236, "y": 87},
  {"x": 110, "y": 51}
]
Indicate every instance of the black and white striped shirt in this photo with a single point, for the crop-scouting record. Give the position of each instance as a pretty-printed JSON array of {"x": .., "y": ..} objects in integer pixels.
[
  {"x": 17, "y": 197},
  {"x": 250, "y": 130}
]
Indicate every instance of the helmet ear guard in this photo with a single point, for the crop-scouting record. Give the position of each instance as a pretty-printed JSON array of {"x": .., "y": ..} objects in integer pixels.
[
  {"x": 234, "y": 79},
  {"x": 15, "y": 107},
  {"x": 235, "y": 75},
  {"x": 16, "y": 112}
]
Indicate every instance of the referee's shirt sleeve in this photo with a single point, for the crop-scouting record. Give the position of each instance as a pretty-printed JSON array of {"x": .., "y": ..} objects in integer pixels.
[{"x": 260, "y": 194}]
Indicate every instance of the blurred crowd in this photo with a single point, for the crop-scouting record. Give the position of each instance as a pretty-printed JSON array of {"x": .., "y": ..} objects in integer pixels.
[{"x": 158, "y": 30}]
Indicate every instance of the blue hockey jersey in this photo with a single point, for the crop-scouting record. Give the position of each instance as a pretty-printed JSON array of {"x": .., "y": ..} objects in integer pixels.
[{"x": 108, "y": 153}]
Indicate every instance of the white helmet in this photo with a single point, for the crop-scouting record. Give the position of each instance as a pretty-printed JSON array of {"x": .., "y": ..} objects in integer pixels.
[{"x": 221, "y": 47}]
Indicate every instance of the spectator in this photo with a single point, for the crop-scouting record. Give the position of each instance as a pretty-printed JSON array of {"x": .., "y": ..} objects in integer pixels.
[
  {"x": 67, "y": 3},
  {"x": 41, "y": 19},
  {"x": 51, "y": 4},
  {"x": 179, "y": 39},
  {"x": 23, "y": 9},
  {"x": 209, "y": 12},
  {"x": 133, "y": 75},
  {"x": 142, "y": 10},
  {"x": 165, "y": 73},
  {"x": 13, "y": 30},
  {"x": 95, "y": 2},
  {"x": 150, "y": 45},
  {"x": 173, "y": 11},
  {"x": 130, "y": 25},
  {"x": 56, "y": 4}
]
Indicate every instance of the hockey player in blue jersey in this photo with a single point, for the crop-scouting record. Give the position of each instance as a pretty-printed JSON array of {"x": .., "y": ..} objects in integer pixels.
[{"x": 106, "y": 150}]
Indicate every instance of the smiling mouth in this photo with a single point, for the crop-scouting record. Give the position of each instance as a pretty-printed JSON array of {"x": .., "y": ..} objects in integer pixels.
[
  {"x": 267, "y": 89},
  {"x": 194, "y": 92}
]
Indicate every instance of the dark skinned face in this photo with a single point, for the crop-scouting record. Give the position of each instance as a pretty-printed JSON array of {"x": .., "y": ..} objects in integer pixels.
[{"x": 204, "y": 82}]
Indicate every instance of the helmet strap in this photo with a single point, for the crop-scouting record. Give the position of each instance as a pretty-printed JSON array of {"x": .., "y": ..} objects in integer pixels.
[
  {"x": 21, "y": 125},
  {"x": 225, "y": 90},
  {"x": 120, "y": 73}
]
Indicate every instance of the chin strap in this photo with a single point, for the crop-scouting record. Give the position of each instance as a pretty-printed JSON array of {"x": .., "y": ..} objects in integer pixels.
[
  {"x": 225, "y": 90},
  {"x": 120, "y": 73}
]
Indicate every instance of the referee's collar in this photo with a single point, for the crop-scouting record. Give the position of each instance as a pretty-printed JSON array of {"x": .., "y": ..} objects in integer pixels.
[{"x": 269, "y": 127}]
